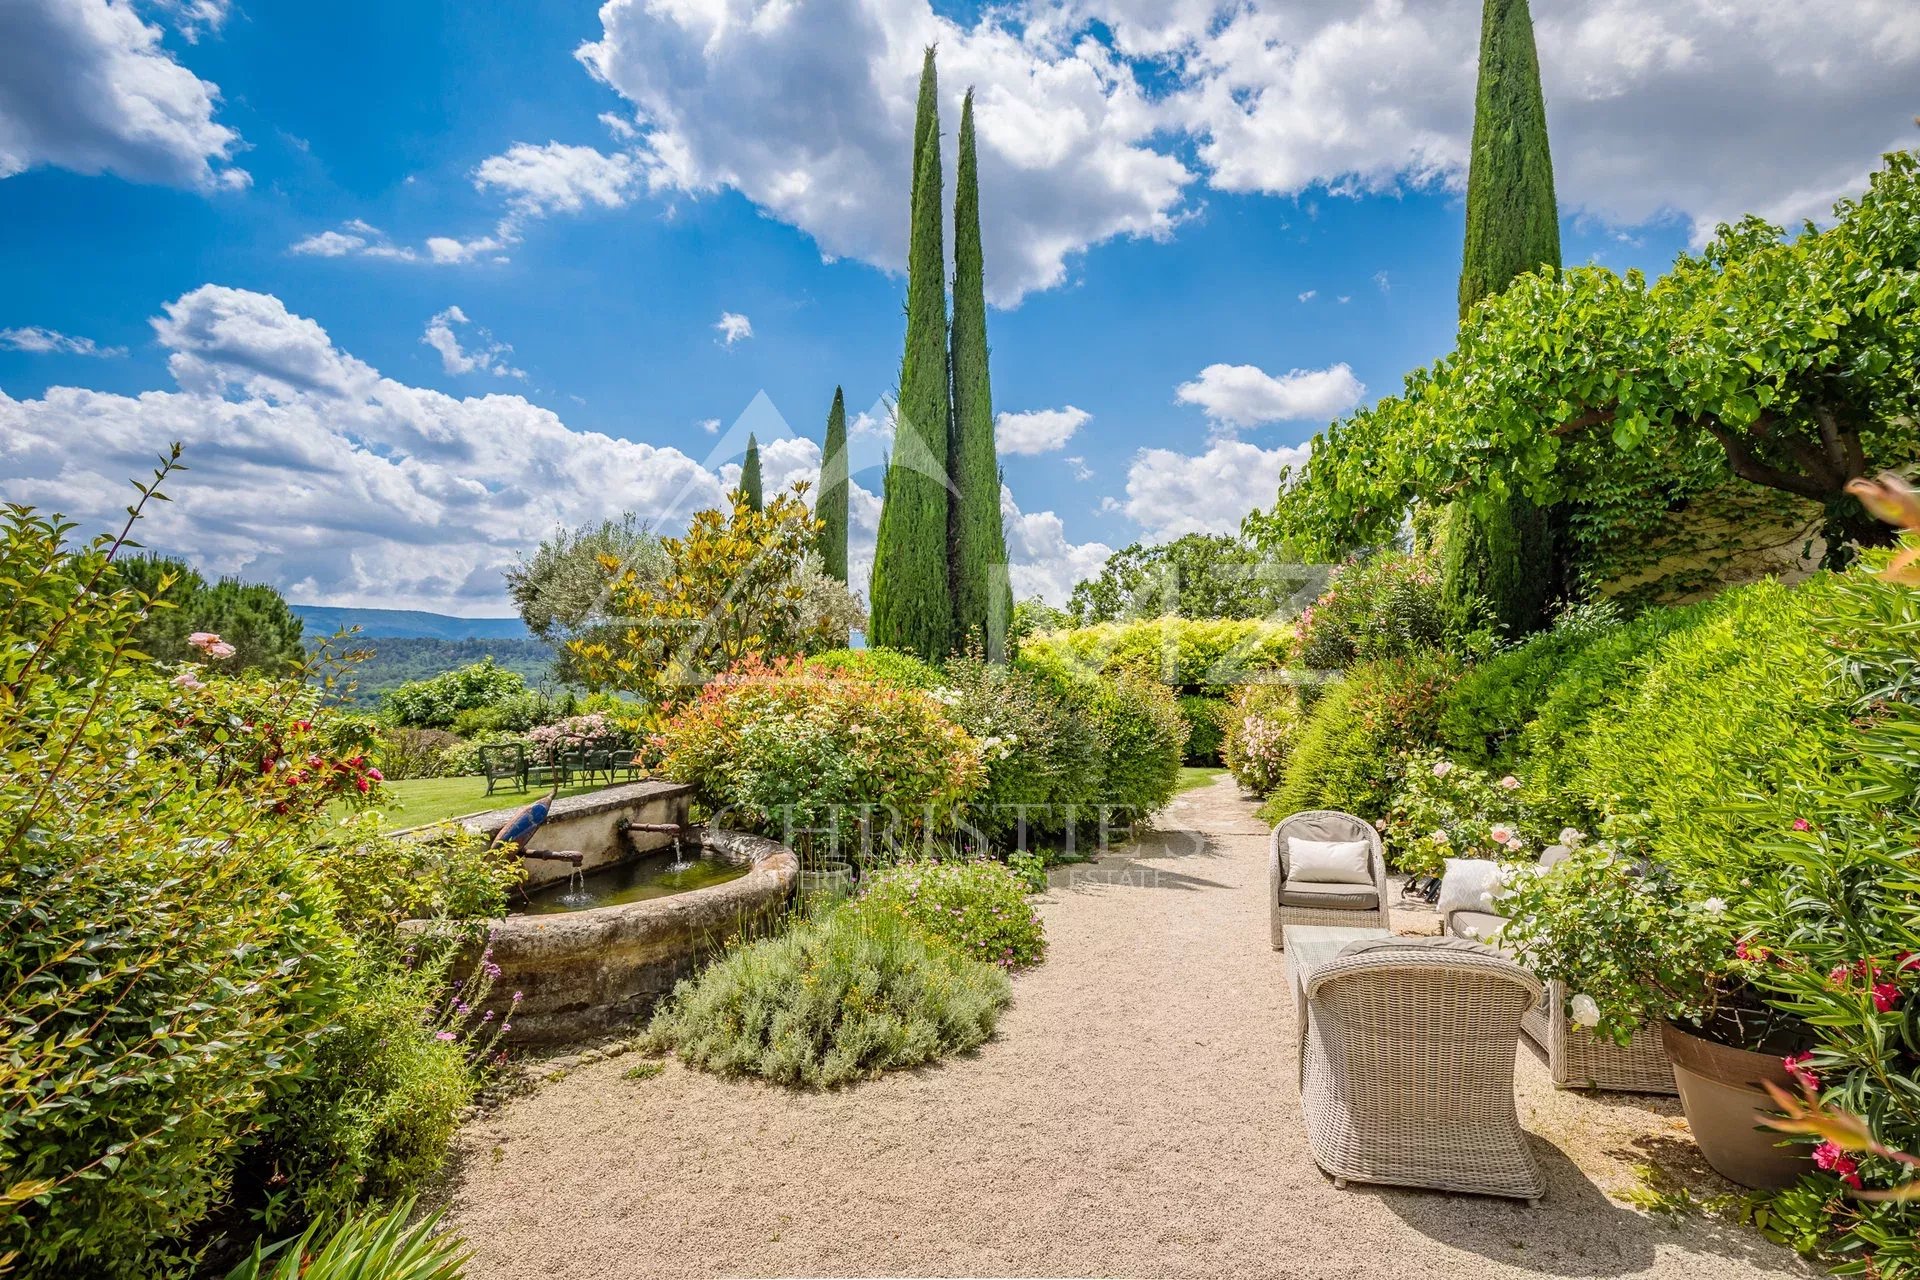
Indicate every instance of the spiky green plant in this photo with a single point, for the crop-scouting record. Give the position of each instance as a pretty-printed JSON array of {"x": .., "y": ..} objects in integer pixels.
[
  {"x": 910, "y": 604},
  {"x": 366, "y": 1246}
]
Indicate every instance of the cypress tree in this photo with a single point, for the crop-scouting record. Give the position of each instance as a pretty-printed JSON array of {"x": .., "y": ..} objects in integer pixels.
[
  {"x": 1500, "y": 565},
  {"x": 976, "y": 540},
  {"x": 830, "y": 508},
  {"x": 1513, "y": 224},
  {"x": 910, "y": 607},
  {"x": 750, "y": 476}
]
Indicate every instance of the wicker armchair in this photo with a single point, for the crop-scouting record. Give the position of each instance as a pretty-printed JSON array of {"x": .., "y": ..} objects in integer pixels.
[
  {"x": 1576, "y": 1058},
  {"x": 1406, "y": 1077},
  {"x": 1355, "y": 905}
]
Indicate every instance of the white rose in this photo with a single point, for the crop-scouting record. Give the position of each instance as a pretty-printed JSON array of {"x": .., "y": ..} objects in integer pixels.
[
  {"x": 1571, "y": 836},
  {"x": 1584, "y": 1011},
  {"x": 1440, "y": 837},
  {"x": 1510, "y": 783},
  {"x": 1501, "y": 834},
  {"x": 1714, "y": 906},
  {"x": 1441, "y": 768}
]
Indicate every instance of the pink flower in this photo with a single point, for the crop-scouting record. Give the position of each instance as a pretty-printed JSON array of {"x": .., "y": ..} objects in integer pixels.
[
  {"x": 1801, "y": 824},
  {"x": 1501, "y": 834},
  {"x": 1799, "y": 1066},
  {"x": 220, "y": 650},
  {"x": 1837, "y": 1162},
  {"x": 443, "y": 1035},
  {"x": 1441, "y": 768},
  {"x": 376, "y": 775},
  {"x": 188, "y": 680},
  {"x": 1510, "y": 783},
  {"x": 1885, "y": 996},
  {"x": 201, "y": 639}
]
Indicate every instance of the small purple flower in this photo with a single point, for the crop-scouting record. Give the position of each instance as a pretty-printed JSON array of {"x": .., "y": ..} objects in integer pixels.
[{"x": 443, "y": 1035}]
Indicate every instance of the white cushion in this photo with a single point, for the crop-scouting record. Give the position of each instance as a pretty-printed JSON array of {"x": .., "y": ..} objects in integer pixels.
[
  {"x": 1328, "y": 861},
  {"x": 1469, "y": 884}
]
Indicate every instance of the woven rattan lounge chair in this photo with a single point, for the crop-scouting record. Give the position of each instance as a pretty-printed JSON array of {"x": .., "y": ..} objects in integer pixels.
[
  {"x": 1355, "y": 905},
  {"x": 1406, "y": 1077},
  {"x": 1576, "y": 1058}
]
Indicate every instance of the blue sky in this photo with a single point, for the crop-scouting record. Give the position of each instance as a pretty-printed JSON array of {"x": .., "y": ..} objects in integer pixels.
[{"x": 394, "y": 270}]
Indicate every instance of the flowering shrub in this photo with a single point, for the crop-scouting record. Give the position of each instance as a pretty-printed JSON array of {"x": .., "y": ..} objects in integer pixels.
[
  {"x": 1385, "y": 606},
  {"x": 595, "y": 731},
  {"x": 832, "y": 1001},
  {"x": 1442, "y": 809},
  {"x": 1261, "y": 722},
  {"x": 806, "y": 756},
  {"x": 1040, "y": 756},
  {"x": 176, "y": 961},
  {"x": 979, "y": 908}
]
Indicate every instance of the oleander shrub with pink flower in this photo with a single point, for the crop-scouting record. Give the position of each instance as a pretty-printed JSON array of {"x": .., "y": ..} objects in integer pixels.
[
  {"x": 1387, "y": 605},
  {"x": 1261, "y": 722}
]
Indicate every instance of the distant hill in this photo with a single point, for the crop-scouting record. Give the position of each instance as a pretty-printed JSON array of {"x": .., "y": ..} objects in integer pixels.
[
  {"x": 398, "y": 659},
  {"x": 323, "y": 620}
]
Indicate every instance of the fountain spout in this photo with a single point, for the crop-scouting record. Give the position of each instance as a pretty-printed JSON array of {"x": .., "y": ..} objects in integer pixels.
[{"x": 555, "y": 855}]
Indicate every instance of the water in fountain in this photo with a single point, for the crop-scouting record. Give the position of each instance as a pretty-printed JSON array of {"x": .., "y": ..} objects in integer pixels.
[
  {"x": 680, "y": 860},
  {"x": 576, "y": 895}
]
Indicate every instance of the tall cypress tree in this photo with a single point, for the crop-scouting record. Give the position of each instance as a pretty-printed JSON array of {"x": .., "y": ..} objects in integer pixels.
[
  {"x": 976, "y": 539},
  {"x": 1500, "y": 564},
  {"x": 910, "y": 607},
  {"x": 830, "y": 508},
  {"x": 750, "y": 475}
]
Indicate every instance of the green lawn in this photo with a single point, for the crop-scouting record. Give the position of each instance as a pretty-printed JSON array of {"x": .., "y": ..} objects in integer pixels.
[
  {"x": 421, "y": 800},
  {"x": 1192, "y": 776}
]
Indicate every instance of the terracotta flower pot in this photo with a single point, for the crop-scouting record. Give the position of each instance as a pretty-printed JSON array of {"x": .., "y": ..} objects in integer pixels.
[{"x": 1720, "y": 1090}]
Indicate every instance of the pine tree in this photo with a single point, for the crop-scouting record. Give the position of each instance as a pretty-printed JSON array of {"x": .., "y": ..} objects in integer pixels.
[
  {"x": 1500, "y": 562},
  {"x": 750, "y": 476},
  {"x": 910, "y": 605},
  {"x": 830, "y": 508},
  {"x": 976, "y": 539}
]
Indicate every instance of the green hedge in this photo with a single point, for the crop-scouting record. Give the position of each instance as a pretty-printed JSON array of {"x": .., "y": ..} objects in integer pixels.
[
  {"x": 1199, "y": 655},
  {"x": 1206, "y": 727}
]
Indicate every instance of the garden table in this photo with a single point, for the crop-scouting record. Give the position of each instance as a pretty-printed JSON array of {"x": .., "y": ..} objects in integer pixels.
[{"x": 1311, "y": 947}]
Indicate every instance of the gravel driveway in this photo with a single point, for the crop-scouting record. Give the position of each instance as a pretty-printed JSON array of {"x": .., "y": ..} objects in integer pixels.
[{"x": 1136, "y": 1116}]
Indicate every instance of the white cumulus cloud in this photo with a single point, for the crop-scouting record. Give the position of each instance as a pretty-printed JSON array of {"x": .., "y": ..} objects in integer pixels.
[
  {"x": 312, "y": 471},
  {"x": 1170, "y": 494},
  {"x": 1042, "y": 560},
  {"x": 808, "y": 110},
  {"x": 87, "y": 85},
  {"x": 1038, "y": 430},
  {"x": 1244, "y": 395},
  {"x": 733, "y": 327}
]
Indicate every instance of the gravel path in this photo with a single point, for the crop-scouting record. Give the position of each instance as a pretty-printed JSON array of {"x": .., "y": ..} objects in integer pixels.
[{"x": 1136, "y": 1116}]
